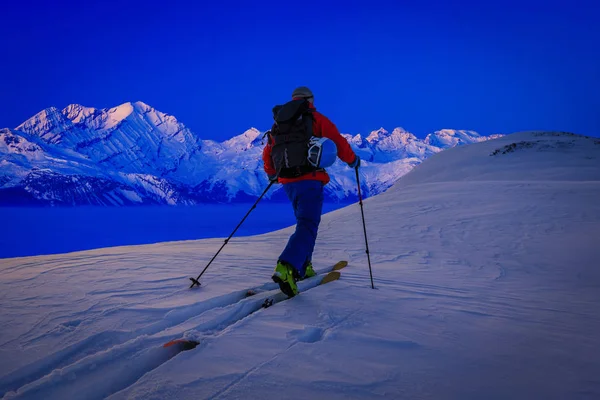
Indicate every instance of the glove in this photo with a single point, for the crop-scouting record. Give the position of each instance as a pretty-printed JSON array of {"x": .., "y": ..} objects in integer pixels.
[
  {"x": 273, "y": 178},
  {"x": 355, "y": 163}
]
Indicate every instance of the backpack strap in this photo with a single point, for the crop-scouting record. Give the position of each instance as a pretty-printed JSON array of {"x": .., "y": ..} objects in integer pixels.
[{"x": 308, "y": 122}]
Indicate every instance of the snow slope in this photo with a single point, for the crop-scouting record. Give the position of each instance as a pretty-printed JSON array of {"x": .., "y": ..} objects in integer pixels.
[
  {"x": 485, "y": 260},
  {"x": 135, "y": 154}
]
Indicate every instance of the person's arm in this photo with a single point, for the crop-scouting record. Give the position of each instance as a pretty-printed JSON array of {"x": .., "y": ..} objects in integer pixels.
[
  {"x": 268, "y": 162},
  {"x": 330, "y": 131}
]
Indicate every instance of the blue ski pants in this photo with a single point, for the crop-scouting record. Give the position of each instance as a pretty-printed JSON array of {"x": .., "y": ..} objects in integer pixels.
[{"x": 307, "y": 201}]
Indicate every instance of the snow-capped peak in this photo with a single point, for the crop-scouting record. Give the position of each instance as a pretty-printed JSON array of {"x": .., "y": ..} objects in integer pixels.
[
  {"x": 245, "y": 140},
  {"x": 142, "y": 106},
  {"x": 119, "y": 113},
  {"x": 404, "y": 136},
  {"x": 49, "y": 124},
  {"x": 140, "y": 110},
  {"x": 43, "y": 118},
  {"x": 156, "y": 117},
  {"x": 251, "y": 134},
  {"x": 77, "y": 113},
  {"x": 377, "y": 135},
  {"x": 457, "y": 132},
  {"x": 357, "y": 140},
  {"x": 452, "y": 137},
  {"x": 381, "y": 134}
]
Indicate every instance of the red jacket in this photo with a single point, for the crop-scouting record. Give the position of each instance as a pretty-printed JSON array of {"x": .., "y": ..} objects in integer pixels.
[{"x": 322, "y": 127}]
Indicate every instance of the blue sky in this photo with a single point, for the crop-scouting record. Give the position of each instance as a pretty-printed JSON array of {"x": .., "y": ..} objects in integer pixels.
[{"x": 219, "y": 67}]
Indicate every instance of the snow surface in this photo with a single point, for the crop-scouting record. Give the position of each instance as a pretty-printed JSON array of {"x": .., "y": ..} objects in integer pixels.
[{"x": 485, "y": 260}]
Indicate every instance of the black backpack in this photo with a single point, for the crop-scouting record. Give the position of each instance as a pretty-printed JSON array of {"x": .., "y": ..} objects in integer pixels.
[{"x": 291, "y": 134}]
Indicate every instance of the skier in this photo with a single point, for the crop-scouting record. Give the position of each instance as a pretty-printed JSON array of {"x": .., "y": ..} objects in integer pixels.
[{"x": 302, "y": 142}]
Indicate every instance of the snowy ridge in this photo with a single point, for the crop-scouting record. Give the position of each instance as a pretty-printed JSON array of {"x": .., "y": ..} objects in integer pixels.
[
  {"x": 132, "y": 140},
  {"x": 559, "y": 156},
  {"x": 48, "y": 124},
  {"x": 452, "y": 138},
  {"x": 484, "y": 259}
]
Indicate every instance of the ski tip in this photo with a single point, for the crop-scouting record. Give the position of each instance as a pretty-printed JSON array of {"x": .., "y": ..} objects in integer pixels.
[
  {"x": 340, "y": 265},
  {"x": 332, "y": 276},
  {"x": 183, "y": 344}
]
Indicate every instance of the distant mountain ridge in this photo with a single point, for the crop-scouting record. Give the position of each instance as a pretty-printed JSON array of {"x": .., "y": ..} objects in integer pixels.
[{"x": 134, "y": 154}]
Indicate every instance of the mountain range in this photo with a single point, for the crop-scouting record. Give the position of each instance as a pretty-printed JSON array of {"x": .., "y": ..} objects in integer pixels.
[{"x": 134, "y": 154}]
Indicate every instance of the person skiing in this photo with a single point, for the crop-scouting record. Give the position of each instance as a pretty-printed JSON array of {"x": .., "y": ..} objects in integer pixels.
[{"x": 301, "y": 143}]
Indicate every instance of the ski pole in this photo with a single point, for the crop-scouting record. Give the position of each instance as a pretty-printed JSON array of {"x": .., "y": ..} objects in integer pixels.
[
  {"x": 196, "y": 281},
  {"x": 364, "y": 226}
]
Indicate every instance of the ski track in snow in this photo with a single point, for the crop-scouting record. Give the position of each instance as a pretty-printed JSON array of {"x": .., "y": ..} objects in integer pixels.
[{"x": 98, "y": 358}]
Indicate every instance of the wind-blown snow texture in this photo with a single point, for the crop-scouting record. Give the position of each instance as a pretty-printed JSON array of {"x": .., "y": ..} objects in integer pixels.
[
  {"x": 134, "y": 154},
  {"x": 485, "y": 260}
]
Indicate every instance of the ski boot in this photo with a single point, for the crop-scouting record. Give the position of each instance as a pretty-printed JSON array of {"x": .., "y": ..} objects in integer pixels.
[
  {"x": 284, "y": 276},
  {"x": 309, "y": 272}
]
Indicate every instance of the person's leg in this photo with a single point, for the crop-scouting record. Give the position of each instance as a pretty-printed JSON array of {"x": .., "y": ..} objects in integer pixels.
[
  {"x": 307, "y": 201},
  {"x": 317, "y": 204}
]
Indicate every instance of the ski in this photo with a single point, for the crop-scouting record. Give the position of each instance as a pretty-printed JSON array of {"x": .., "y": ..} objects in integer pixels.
[
  {"x": 330, "y": 277},
  {"x": 259, "y": 289}
]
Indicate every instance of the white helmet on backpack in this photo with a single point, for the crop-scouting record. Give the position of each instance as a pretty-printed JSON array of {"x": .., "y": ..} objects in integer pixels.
[{"x": 322, "y": 152}]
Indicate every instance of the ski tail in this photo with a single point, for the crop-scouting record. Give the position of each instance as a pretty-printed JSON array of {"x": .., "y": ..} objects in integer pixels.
[{"x": 182, "y": 344}]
